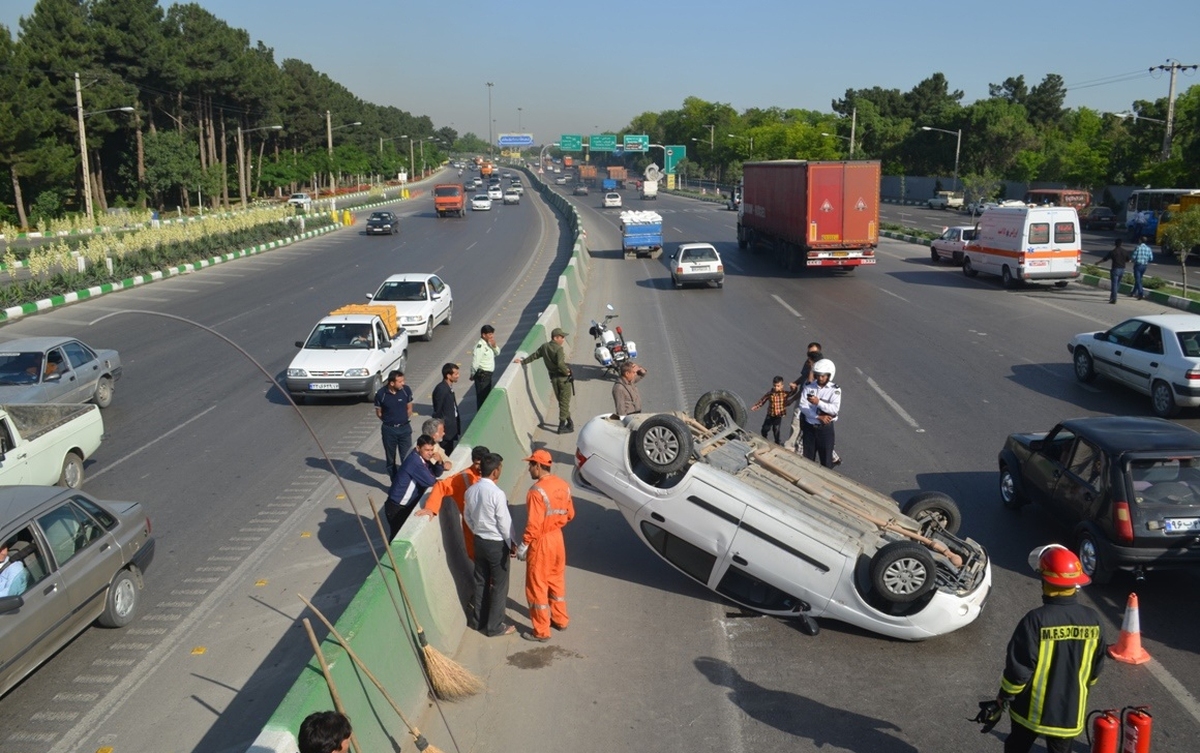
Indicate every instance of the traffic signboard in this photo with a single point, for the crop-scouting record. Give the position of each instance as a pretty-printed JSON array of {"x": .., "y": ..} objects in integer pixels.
[
  {"x": 515, "y": 139},
  {"x": 571, "y": 142},
  {"x": 675, "y": 154},
  {"x": 602, "y": 142},
  {"x": 637, "y": 143}
]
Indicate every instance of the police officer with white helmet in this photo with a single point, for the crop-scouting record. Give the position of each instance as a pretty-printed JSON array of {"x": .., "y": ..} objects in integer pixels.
[{"x": 820, "y": 404}]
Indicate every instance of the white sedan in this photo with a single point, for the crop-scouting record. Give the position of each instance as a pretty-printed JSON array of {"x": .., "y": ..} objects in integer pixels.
[
  {"x": 612, "y": 199},
  {"x": 512, "y": 197},
  {"x": 1156, "y": 355},
  {"x": 495, "y": 193},
  {"x": 773, "y": 532},
  {"x": 480, "y": 203},
  {"x": 422, "y": 302},
  {"x": 949, "y": 245}
]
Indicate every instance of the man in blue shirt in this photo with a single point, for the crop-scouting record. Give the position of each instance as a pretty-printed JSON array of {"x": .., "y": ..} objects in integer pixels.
[
  {"x": 13, "y": 575},
  {"x": 394, "y": 408},
  {"x": 417, "y": 473},
  {"x": 1142, "y": 256}
]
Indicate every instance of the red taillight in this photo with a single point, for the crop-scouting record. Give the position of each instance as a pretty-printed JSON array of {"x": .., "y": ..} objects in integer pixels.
[
  {"x": 579, "y": 459},
  {"x": 148, "y": 529},
  {"x": 678, "y": 270},
  {"x": 1192, "y": 374},
  {"x": 1122, "y": 523},
  {"x": 720, "y": 267}
]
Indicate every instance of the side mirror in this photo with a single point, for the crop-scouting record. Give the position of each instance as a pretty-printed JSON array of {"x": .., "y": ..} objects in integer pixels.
[
  {"x": 370, "y": 296},
  {"x": 1102, "y": 336},
  {"x": 52, "y": 378},
  {"x": 385, "y": 344},
  {"x": 10, "y": 604},
  {"x": 299, "y": 344},
  {"x": 1037, "y": 445}
]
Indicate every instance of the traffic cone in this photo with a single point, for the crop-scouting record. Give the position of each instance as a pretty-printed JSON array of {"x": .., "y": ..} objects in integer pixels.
[{"x": 1128, "y": 647}]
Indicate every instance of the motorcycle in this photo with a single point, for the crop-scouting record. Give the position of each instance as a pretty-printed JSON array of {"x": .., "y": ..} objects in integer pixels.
[{"x": 612, "y": 349}]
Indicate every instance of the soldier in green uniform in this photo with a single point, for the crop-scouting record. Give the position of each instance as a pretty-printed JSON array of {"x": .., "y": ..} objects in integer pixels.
[{"x": 560, "y": 375}]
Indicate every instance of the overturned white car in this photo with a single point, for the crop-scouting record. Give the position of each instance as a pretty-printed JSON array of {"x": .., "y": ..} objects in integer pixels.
[{"x": 775, "y": 533}]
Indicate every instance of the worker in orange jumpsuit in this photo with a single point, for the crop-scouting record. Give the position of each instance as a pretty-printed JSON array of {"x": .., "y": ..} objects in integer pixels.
[
  {"x": 549, "y": 507},
  {"x": 455, "y": 487}
]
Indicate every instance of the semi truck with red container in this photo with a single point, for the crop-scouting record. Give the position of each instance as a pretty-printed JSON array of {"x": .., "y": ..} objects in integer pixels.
[{"x": 811, "y": 214}]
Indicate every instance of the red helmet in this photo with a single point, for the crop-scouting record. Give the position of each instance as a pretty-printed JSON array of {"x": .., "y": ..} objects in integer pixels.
[{"x": 1058, "y": 566}]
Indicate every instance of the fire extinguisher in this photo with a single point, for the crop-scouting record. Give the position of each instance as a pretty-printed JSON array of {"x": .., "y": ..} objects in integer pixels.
[
  {"x": 1136, "y": 725},
  {"x": 1104, "y": 733}
]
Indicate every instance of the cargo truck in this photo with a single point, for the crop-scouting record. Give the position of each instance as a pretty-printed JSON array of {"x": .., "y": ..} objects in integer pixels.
[
  {"x": 811, "y": 214},
  {"x": 568, "y": 160},
  {"x": 618, "y": 174},
  {"x": 587, "y": 174},
  {"x": 641, "y": 233},
  {"x": 650, "y": 189},
  {"x": 449, "y": 198}
]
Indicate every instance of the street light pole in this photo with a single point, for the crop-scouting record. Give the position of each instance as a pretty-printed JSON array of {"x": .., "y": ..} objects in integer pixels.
[
  {"x": 957, "y": 148},
  {"x": 329, "y": 146},
  {"x": 489, "y": 86},
  {"x": 745, "y": 138},
  {"x": 87, "y": 175},
  {"x": 520, "y": 127}
]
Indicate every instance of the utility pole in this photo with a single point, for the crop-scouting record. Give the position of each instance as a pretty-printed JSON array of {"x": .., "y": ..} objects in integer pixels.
[
  {"x": 1174, "y": 66},
  {"x": 329, "y": 145},
  {"x": 489, "y": 86},
  {"x": 854, "y": 124},
  {"x": 87, "y": 174}
]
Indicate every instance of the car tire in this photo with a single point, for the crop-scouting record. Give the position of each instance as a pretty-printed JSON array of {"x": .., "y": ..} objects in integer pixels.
[
  {"x": 449, "y": 314},
  {"x": 969, "y": 270},
  {"x": 934, "y": 256},
  {"x": 936, "y": 506},
  {"x": 1162, "y": 399},
  {"x": 72, "y": 471},
  {"x": 1085, "y": 367},
  {"x": 663, "y": 443},
  {"x": 720, "y": 283},
  {"x": 1011, "y": 495},
  {"x": 1006, "y": 277},
  {"x": 428, "y": 337},
  {"x": 1090, "y": 560},
  {"x": 709, "y": 407},
  {"x": 122, "y": 602},
  {"x": 374, "y": 387},
  {"x": 676, "y": 282},
  {"x": 902, "y": 572},
  {"x": 104, "y": 392}
]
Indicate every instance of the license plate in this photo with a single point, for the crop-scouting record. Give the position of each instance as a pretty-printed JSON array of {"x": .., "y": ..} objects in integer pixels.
[
  {"x": 841, "y": 253},
  {"x": 1181, "y": 525},
  {"x": 1038, "y": 263},
  {"x": 700, "y": 268},
  {"x": 324, "y": 386}
]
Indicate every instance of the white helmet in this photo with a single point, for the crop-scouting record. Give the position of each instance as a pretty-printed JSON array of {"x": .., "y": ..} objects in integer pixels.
[{"x": 824, "y": 366}]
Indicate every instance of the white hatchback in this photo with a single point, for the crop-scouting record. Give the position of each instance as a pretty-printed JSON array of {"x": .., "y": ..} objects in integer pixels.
[
  {"x": 949, "y": 245},
  {"x": 422, "y": 301},
  {"x": 612, "y": 199}
]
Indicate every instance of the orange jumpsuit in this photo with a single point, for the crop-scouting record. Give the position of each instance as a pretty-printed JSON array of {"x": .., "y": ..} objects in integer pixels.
[
  {"x": 455, "y": 487},
  {"x": 550, "y": 507}
]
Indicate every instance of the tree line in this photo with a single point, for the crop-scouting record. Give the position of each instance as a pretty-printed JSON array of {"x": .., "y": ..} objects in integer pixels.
[{"x": 191, "y": 81}]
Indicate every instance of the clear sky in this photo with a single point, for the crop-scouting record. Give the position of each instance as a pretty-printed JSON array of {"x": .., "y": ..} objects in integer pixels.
[{"x": 573, "y": 67}]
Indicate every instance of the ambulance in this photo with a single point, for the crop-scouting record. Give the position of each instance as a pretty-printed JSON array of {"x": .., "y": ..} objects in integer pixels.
[{"x": 1021, "y": 244}]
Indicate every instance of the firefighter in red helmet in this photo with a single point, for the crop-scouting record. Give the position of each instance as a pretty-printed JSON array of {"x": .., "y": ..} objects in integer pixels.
[{"x": 1054, "y": 657}]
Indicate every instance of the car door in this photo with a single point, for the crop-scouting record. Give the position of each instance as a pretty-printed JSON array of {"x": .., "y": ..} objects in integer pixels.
[
  {"x": 86, "y": 365},
  {"x": 87, "y": 556},
  {"x": 1044, "y": 466},
  {"x": 32, "y": 632},
  {"x": 692, "y": 528},
  {"x": 59, "y": 379},
  {"x": 14, "y": 461},
  {"x": 1080, "y": 486},
  {"x": 440, "y": 293},
  {"x": 1107, "y": 352},
  {"x": 1142, "y": 359}
]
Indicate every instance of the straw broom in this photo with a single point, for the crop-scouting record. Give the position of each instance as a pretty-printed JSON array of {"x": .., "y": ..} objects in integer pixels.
[
  {"x": 418, "y": 739},
  {"x": 448, "y": 679},
  {"x": 337, "y": 699}
]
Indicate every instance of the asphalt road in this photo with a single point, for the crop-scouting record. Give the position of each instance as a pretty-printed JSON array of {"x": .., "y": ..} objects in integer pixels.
[
  {"x": 936, "y": 369},
  {"x": 243, "y": 507}
]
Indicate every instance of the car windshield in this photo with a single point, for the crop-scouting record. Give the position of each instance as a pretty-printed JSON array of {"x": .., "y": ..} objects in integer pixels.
[
  {"x": 1173, "y": 480},
  {"x": 299, "y": 196},
  {"x": 20, "y": 368},
  {"x": 380, "y": 216},
  {"x": 480, "y": 198},
  {"x": 446, "y": 191},
  {"x": 406, "y": 290},
  {"x": 698, "y": 254},
  {"x": 339, "y": 336}
]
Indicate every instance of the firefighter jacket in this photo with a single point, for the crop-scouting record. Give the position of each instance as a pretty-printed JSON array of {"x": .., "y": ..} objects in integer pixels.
[
  {"x": 549, "y": 507},
  {"x": 1054, "y": 656}
]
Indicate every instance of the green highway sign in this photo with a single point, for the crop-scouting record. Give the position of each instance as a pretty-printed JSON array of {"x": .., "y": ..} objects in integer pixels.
[
  {"x": 675, "y": 153},
  {"x": 637, "y": 143},
  {"x": 571, "y": 142},
  {"x": 602, "y": 142}
]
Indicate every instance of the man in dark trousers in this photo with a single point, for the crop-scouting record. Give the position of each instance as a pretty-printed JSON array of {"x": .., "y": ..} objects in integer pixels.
[
  {"x": 483, "y": 363},
  {"x": 417, "y": 473},
  {"x": 560, "y": 375},
  {"x": 1054, "y": 658},
  {"x": 1118, "y": 257},
  {"x": 488, "y": 517},
  {"x": 445, "y": 407},
  {"x": 394, "y": 408}
]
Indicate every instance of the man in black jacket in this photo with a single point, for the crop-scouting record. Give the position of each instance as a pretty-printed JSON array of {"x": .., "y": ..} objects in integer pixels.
[
  {"x": 1054, "y": 657},
  {"x": 1118, "y": 257},
  {"x": 445, "y": 407}
]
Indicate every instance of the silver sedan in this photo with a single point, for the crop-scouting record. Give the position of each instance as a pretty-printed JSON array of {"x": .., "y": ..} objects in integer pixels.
[{"x": 57, "y": 370}]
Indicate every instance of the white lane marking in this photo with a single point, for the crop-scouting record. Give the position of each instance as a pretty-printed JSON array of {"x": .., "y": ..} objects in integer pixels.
[
  {"x": 151, "y": 299},
  {"x": 677, "y": 230},
  {"x": 894, "y": 295},
  {"x": 1086, "y": 317},
  {"x": 202, "y": 282},
  {"x": 174, "y": 289},
  {"x": 894, "y": 405},
  {"x": 149, "y": 444},
  {"x": 472, "y": 245},
  {"x": 439, "y": 269},
  {"x": 783, "y": 303},
  {"x": 731, "y": 265},
  {"x": 1175, "y": 688}
]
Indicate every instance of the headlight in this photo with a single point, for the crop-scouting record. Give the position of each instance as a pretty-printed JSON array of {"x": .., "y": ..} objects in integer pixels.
[
  {"x": 357, "y": 372},
  {"x": 413, "y": 319},
  {"x": 300, "y": 373}
]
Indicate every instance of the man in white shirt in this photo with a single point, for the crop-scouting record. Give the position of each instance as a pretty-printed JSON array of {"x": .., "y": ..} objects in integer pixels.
[{"x": 488, "y": 517}]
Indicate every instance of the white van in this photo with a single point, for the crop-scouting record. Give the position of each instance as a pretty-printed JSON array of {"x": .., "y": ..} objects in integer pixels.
[{"x": 1026, "y": 243}]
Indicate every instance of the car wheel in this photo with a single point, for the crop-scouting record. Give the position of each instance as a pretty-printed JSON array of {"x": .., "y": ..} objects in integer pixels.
[
  {"x": 1006, "y": 277},
  {"x": 72, "y": 471},
  {"x": 1010, "y": 492},
  {"x": 902, "y": 572},
  {"x": 429, "y": 331},
  {"x": 450, "y": 314},
  {"x": 1163, "y": 400},
  {"x": 1085, "y": 368},
  {"x": 933, "y": 255},
  {"x": 374, "y": 387},
  {"x": 676, "y": 282},
  {"x": 935, "y": 506},
  {"x": 714, "y": 409},
  {"x": 720, "y": 283},
  {"x": 121, "y": 605},
  {"x": 969, "y": 270},
  {"x": 104, "y": 392},
  {"x": 664, "y": 443},
  {"x": 1089, "y": 558}
]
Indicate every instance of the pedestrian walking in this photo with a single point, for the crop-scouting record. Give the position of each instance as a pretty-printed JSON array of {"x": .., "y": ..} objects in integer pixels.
[
  {"x": 1054, "y": 657},
  {"x": 483, "y": 363},
  {"x": 489, "y": 518},
  {"x": 549, "y": 507},
  {"x": 795, "y": 441},
  {"x": 445, "y": 407},
  {"x": 324, "y": 732},
  {"x": 1118, "y": 257},
  {"x": 560, "y": 375},
  {"x": 455, "y": 487},
  {"x": 1141, "y": 257},
  {"x": 394, "y": 408},
  {"x": 416, "y": 475},
  {"x": 777, "y": 397},
  {"x": 627, "y": 400},
  {"x": 820, "y": 404}
]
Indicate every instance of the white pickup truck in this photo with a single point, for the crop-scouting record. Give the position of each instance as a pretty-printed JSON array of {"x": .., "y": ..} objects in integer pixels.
[
  {"x": 349, "y": 352},
  {"x": 946, "y": 200},
  {"x": 46, "y": 445}
]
